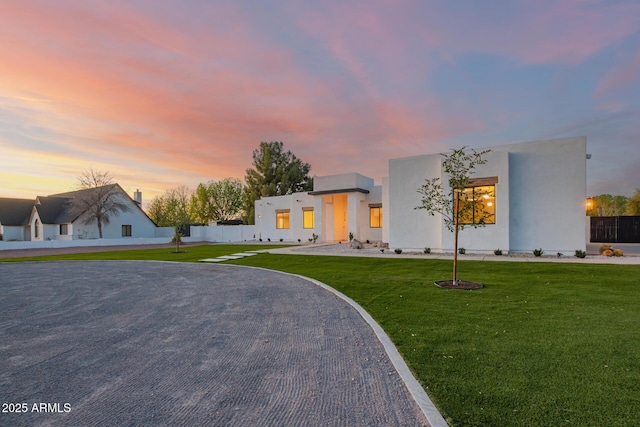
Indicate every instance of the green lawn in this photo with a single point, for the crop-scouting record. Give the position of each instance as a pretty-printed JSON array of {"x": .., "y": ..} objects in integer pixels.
[
  {"x": 187, "y": 253},
  {"x": 543, "y": 343}
]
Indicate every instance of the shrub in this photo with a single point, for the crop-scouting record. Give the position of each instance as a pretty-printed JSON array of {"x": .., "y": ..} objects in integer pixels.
[
  {"x": 1, "y": 237},
  {"x": 580, "y": 253},
  {"x": 538, "y": 252},
  {"x": 398, "y": 251},
  {"x": 281, "y": 239},
  {"x": 462, "y": 251},
  {"x": 314, "y": 237},
  {"x": 605, "y": 247},
  {"x": 350, "y": 236},
  {"x": 299, "y": 240},
  {"x": 427, "y": 250},
  {"x": 618, "y": 252},
  {"x": 498, "y": 251},
  {"x": 607, "y": 252},
  {"x": 268, "y": 239}
]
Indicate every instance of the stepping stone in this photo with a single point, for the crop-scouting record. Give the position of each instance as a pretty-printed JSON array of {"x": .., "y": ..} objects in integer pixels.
[
  {"x": 245, "y": 254},
  {"x": 259, "y": 251},
  {"x": 226, "y": 257},
  {"x": 212, "y": 260}
]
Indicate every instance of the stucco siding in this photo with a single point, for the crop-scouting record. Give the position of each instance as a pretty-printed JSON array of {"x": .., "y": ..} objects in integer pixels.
[
  {"x": 141, "y": 226},
  {"x": 266, "y": 214},
  {"x": 385, "y": 209},
  {"x": 540, "y": 189},
  {"x": 548, "y": 192},
  {"x": 409, "y": 227},
  {"x": 341, "y": 182},
  {"x": 540, "y": 197},
  {"x": 11, "y": 233},
  {"x": 491, "y": 236}
]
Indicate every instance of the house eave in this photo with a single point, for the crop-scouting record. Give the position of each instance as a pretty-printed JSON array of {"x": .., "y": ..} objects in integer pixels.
[{"x": 338, "y": 191}]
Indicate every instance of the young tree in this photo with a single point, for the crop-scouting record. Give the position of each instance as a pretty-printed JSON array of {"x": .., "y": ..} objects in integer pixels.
[
  {"x": 275, "y": 173},
  {"x": 633, "y": 204},
  {"x": 100, "y": 201},
  {"x": 453, "y": 202},
  {"x": 171, "y": 209},
  {"x": 217, "y": 200}
]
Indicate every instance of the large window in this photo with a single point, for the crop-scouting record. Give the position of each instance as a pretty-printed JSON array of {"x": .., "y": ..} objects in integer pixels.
[
  {"x": 282, "y": 218},
  {"x": 307, "y": 218},
  {"x": 375, "y": 215},
  {"x": 478, "y": 205},
  {"x": 126, "y": 231},
  {"x": 64, "y": 229}
]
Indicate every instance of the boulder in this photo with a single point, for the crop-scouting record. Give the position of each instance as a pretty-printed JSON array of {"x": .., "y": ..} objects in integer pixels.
[{"x": 356, "y": 244}]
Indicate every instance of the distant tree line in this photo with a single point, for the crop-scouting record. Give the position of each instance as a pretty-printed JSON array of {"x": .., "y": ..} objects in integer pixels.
[
  {"x": 608, "y": 205},
  {"x": 275, "y": 172}
]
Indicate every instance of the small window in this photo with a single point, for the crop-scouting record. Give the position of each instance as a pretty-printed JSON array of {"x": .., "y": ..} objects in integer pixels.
[
  {"x": 375, "y": 216},
  {"x": 64, "y": 229},
  {"x": 126, "y": 231},
  {"x": 307, "y": 218},
  {"x": 36, "y": 231},
  {"x": 282, "y": 218}
]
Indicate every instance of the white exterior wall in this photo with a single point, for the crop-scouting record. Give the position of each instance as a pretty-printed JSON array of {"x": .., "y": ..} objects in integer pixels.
[
  {"x": 385, "y": 209},
  {"x": 365, "y": 232},
  {"x": 409, "y": 227},
  {"x": 141, "y": 226},
  {"x": 40, "y": 229},
  {"x": 265, "y": 227},
  {"x": 16, "y": 232},
  {"x": 479, "y": 239},
  {"x": 222, "y": 233},
  {"x": 548, "y": 193},
  {"x": 335, "y": 214},
  {"x": 540, "y": 198},
  {"x": 341, "y": 182}
]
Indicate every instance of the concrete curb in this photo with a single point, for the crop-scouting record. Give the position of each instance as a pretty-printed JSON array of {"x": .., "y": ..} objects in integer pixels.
[{"x": 415, "y": 389}]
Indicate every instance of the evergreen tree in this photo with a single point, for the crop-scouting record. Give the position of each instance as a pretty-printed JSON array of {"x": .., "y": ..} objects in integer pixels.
[{"x": 275, "y": 172}]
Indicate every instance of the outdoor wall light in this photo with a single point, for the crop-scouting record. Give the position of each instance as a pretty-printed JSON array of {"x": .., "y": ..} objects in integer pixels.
[{"x": 589, "y": 204}]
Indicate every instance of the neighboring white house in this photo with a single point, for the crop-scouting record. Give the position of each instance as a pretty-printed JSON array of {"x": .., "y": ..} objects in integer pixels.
[
  {"x": 536, "y": 190},
  {"x": 14, "y": 218},
  {"x": 56, "y": 217}
]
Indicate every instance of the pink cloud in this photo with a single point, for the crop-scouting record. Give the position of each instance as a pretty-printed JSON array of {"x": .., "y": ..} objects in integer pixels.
[
  {"x": 622, "y": 76},
  {"x": 545, "y": 31},
  {"x": 185, "y": 94}
]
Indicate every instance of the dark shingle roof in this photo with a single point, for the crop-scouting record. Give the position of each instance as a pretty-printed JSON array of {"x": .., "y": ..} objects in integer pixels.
[
  {"x": 84, "y": 192},
  {"x": 55, "y": 210},
  {"x": 15, "y": 211}
]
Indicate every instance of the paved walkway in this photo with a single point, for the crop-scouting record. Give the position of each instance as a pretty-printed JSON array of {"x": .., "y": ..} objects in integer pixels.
[{"x": 153, "y": 343}]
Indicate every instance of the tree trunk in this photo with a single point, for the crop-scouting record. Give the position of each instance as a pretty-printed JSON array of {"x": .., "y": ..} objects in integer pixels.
[
  {"x": 99, "y": 227},
  {"x": 456, "y": 229}
]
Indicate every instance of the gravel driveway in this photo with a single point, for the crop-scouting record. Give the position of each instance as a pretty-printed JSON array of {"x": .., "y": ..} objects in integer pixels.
[{"x": 153, "y": 343}]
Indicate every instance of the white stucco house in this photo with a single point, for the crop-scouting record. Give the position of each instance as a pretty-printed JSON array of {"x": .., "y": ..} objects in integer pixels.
[
  {"x": 55, "y": 217},
  {"x": 535, "y": 190}
]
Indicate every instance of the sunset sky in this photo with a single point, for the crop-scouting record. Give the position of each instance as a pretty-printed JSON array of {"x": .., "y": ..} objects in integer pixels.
[{"x": 168, "y": 93}]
